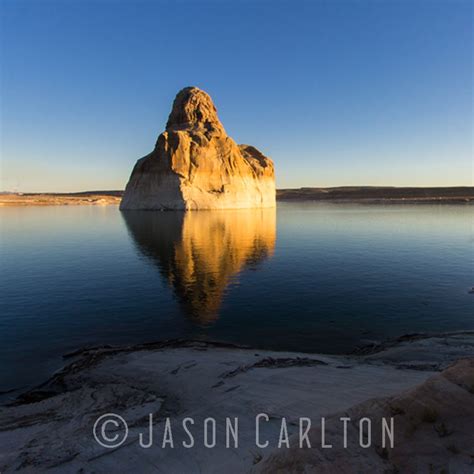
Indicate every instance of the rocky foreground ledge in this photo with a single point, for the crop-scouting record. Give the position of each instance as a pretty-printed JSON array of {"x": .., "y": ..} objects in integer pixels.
[{"x": 425, "y": 383}]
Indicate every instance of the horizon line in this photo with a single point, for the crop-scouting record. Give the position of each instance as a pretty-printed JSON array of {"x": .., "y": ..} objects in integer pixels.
[{"x": 278, "y": 189}]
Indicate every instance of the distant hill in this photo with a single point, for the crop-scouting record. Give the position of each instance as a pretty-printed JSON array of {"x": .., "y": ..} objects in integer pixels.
[{"x": 378, "y": 193}]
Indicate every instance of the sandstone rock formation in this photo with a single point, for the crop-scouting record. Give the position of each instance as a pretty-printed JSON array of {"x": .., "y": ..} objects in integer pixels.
[
  {"x": 50, "y": 429},
  {"x": 433, "y": 433},
  {"x": 195, "y": 165}
]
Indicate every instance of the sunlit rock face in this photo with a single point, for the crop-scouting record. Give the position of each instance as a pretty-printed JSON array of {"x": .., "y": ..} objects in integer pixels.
[
  {"x": 196, "y": 165},
  {"x": 199, "y": 254}
]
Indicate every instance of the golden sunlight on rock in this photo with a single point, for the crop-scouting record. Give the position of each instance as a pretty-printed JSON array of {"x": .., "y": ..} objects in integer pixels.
[{"x": 196, "y": 165}]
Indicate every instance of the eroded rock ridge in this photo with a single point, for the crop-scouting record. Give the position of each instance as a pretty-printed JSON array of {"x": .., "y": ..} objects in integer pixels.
[{"x": 196, "y": 165}]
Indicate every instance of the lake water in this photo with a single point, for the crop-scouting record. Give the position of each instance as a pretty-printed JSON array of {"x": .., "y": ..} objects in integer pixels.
[{"x": 307, "y": 277}]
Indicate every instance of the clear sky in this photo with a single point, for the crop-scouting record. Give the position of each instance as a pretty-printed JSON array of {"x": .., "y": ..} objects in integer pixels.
[{"x": 336, "y": 92}]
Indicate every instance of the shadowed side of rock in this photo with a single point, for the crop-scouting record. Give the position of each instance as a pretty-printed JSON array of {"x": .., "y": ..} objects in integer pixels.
[{"x": 196, "y": 165}]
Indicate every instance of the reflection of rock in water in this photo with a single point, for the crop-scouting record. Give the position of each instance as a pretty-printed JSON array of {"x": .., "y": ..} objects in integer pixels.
[{"x": 199, "y": 252}]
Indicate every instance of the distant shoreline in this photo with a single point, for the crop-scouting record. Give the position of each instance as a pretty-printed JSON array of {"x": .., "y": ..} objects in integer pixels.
[
  {"x": 93, "y": 198},
  {"x": 342, "y": 194},
  {"x": 380, "y": 194}
]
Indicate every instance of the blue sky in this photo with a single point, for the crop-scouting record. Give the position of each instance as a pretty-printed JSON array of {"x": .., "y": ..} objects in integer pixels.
[{"x": 336, "y": 92}]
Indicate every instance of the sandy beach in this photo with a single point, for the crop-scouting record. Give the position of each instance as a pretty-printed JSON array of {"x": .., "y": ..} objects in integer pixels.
[{"x": 51, "y": 427}]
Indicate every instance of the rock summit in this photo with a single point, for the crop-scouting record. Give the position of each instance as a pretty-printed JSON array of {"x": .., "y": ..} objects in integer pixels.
[{"x": 196, "y": 165}]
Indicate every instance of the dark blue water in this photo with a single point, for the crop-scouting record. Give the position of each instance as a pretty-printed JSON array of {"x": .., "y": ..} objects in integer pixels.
[{"x": 310, "y": 277}]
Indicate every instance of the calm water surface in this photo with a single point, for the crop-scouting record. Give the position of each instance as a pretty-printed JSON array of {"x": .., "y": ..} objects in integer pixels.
[{"x": 309, "y": 277}]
